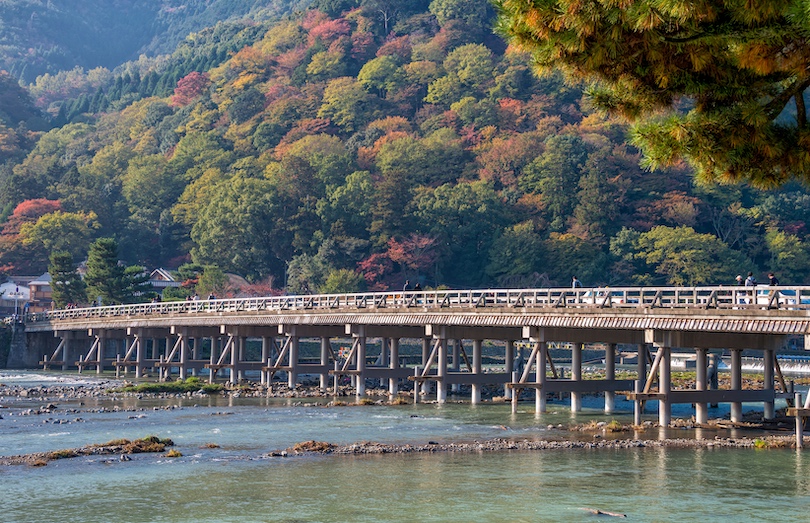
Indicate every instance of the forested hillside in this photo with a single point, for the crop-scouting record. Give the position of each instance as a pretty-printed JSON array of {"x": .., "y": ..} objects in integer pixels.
[
  {"x": 48, "y": 36},
  {"x": 361, "y": 144}
]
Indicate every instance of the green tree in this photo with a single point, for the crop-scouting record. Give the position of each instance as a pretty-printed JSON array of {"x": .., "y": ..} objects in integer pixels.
[
  {"x": 212, "y": 281},
  {"x": 516, "y": 255},
  {"x": 60, "y": 231},
  {"x": 242, "y": 229},
  {"x": 347, "y": 104},
  {"x": 106, "y": 278},
  {"x": 555, "y": 174},
  {"x": 790, "y": 257},
  {"x": 343, "y": 280},
  {"x": 685, "y": 257},
  {"x": 720, "y": 84},
  {"x": 465, "y": 220},
  {"x": 66, "y": 283}
]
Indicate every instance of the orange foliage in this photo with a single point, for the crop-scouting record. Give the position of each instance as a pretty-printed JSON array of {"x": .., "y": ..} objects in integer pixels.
[
  {"x": 329, "y": 30},
  {"x": 29, "y": 211},
  {"x": 399, "y": 46},
  {"x": 313, "y": 19}
]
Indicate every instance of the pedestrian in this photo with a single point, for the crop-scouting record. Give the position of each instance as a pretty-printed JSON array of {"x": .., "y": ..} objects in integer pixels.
[
  {"x": 750, "y": 281},
  {"x": 772, "y": 279},
  {"x": 575, "y": 283},
  {"x": 740, "y": 281},
  {"x": 407, "y": 286},
  {"x": 417, "y": 287}
]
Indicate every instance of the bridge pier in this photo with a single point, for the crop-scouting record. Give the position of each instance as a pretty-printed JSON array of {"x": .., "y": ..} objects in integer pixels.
[
  {"x": 426, "y": 349},
  {"x": 664, "y": 387},
  {"x": 701, "y": 384},
  {"x": 576, "y": 375},
  {"x": 610, "y": 374},
  {"x": 393, "y": 382},
  {"x": 476, "y": 369},
  {"x": 509, "y": 367},
  {"x": 736, "y": 384},
  {"x": 768, "y": 408}
]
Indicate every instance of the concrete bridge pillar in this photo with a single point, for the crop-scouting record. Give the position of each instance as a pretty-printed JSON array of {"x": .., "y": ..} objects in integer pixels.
[
  {"x": 509, "y": 366},
  {"x": 140, "y": 349},
  {"x": 610, "y": 374},
  {"x": 768, "y": 407},
  {"x": 736, "y": 384},
  {"x": 456, "y": 363},
  {"x": 441, "y": 387},
  {"x": 183, "y": 369},
  {"x": 213, "y": 357},
  {"x": 326, "y": 344},
  {"x": 540, "y": 377},
  {"x": 664, "y": 387},
  {"x": 476, "y": 369},
  {"x": 101, "y": 350},
  {"x": 701, "y": 383},
  {"x": 360, "y": 385},
  {"x": 196, "y": 351},
  {"x": 292, "y": 375},
  {"x": 576, "y": 375},
  {"x": 425, "y": 356},
  {"x": 641, "y": 371},
  {"x": 393, "y": 383},
  {"x": 266, "y": 341}
]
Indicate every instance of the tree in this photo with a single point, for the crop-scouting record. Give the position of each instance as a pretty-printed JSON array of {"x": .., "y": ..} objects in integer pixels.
[
  {"x": 347, "y": 104},
  {"x": 105, "y": 278},
  {"x": 242, "y": 229},
  {"x": 719, "y": 84},
  {"x": 60, "y": 231},
  {"x": 66, "y": 283},
  {"x": 343, "y": 280},
  {"x": 686, "y": 257},
  {"x": 516, "y": 255},
  {"x": 790, "y": 257}
]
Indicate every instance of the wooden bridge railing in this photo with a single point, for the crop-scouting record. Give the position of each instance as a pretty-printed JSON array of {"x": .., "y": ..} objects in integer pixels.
[{"x": 783, "y": 297}]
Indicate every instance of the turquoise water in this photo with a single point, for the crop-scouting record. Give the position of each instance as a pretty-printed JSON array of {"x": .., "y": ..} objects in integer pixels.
[{"x": 237, "y": 482}]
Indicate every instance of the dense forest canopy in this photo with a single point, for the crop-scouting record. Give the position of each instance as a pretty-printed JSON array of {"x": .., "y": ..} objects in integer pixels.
[
  {"x": 358, "y": 144},
  {"x": 49, "y": 36}
]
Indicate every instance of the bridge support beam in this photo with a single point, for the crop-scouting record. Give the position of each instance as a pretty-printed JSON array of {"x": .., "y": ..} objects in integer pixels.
[
  {"x": 641, "y": 371},
  {"x": 664, "y": 387},
  {"x": 540, "y": 377},
  {"x": 509, "y": 367},
  {"x": 576, "y": 375},
  {"x": 425, "y": 356},
  {"x": 441, "y": 363},
  {"x": 476, "y": 368},
  {"x": 768, "y": 407},
  {"x": 610, "y": 374},
  {"x": 736, "y": 384},
  {"x": 292, "y": 374},
  {"x": 701, "y": 384},
  {"x": 326, "y": 349},
  {"x": 455, "y": 363},
  {"x": 393, "y": 383}
]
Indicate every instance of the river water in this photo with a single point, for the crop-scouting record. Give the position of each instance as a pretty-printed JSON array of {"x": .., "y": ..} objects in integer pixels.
[{"x": 240, "y": 482}]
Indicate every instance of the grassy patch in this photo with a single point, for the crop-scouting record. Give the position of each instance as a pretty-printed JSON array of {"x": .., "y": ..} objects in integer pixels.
[{"x": 192, "y": 384}]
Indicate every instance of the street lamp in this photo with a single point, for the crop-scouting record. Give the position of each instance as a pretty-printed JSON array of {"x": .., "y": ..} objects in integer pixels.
[{"x": 17, "y": 295}]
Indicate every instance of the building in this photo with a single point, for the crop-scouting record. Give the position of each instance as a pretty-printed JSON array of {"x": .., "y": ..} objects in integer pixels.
[{"x": 13, "y": 297}]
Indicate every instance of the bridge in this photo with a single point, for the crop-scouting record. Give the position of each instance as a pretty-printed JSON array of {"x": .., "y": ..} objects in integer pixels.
[{"x": 210, "y": 336}]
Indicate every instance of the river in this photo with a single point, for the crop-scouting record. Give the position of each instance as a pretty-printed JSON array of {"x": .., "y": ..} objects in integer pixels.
[{"x": 239, "y": 481}]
